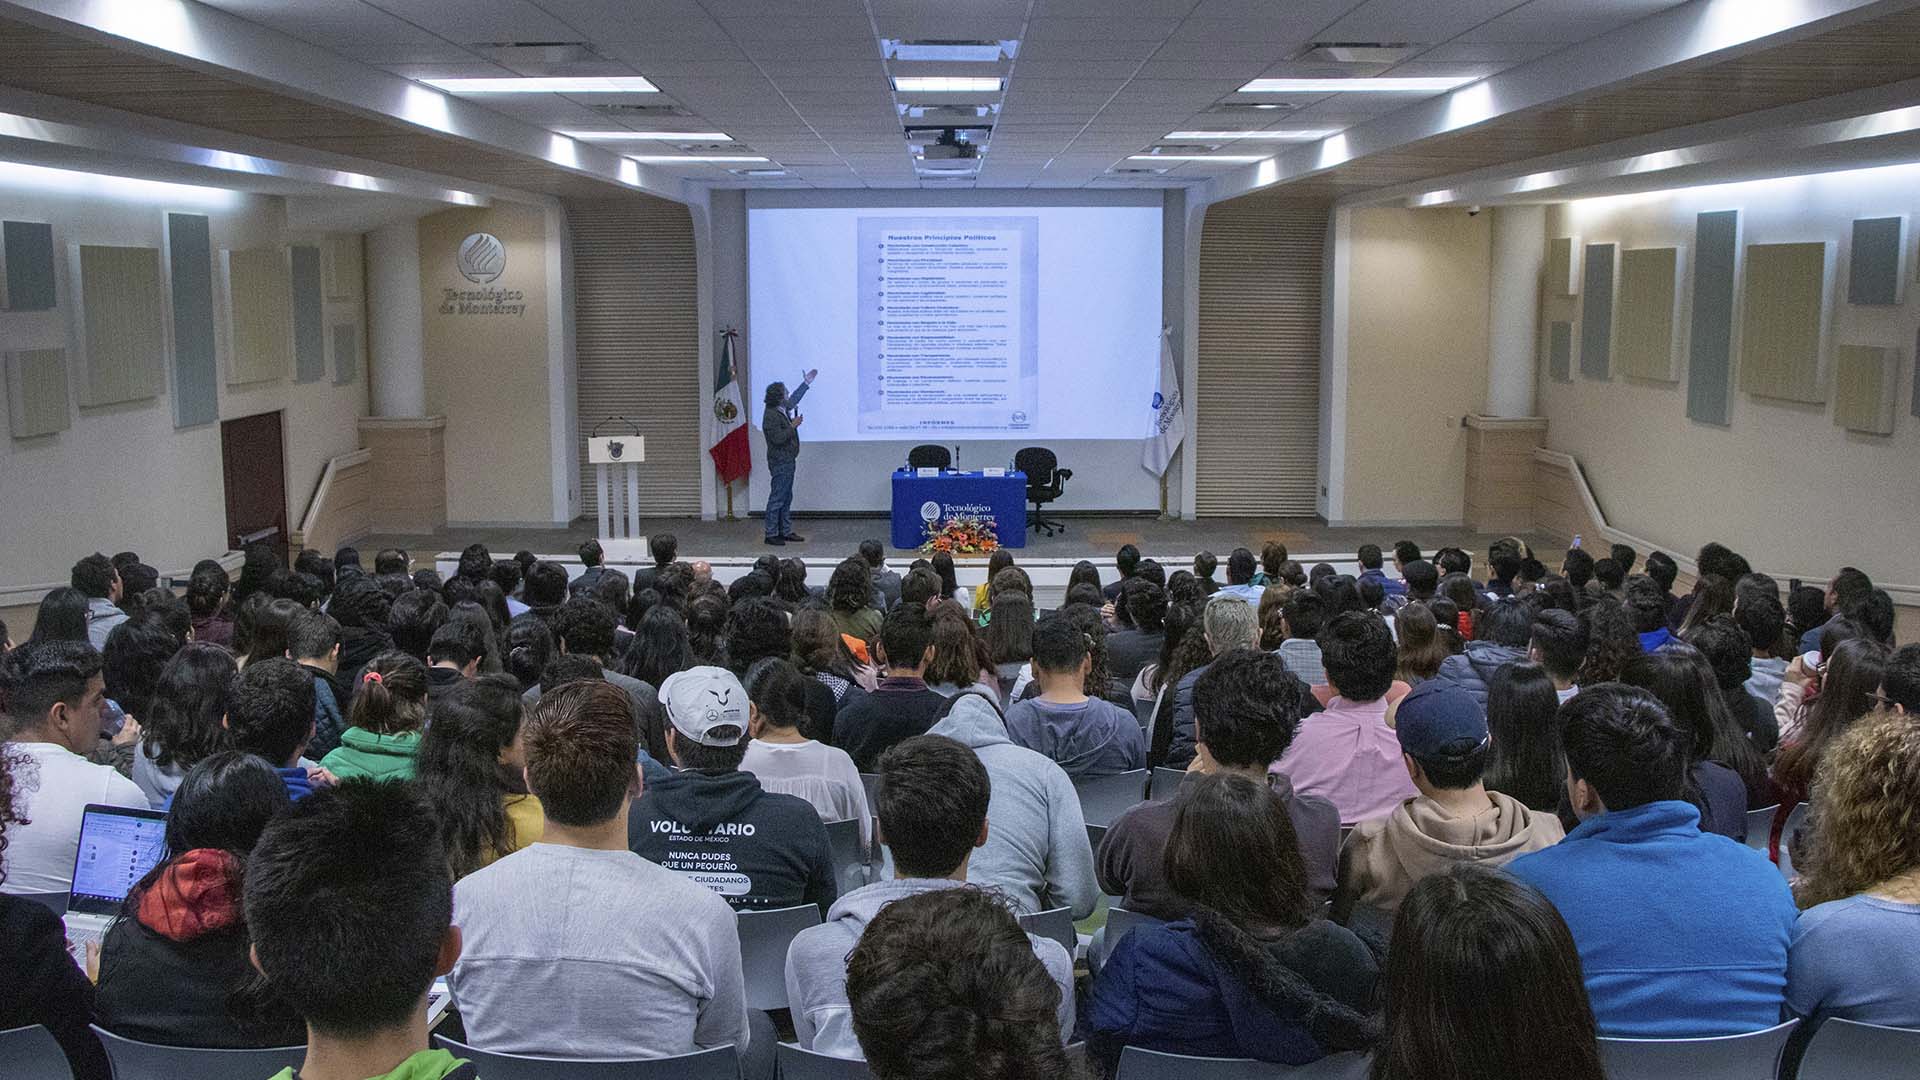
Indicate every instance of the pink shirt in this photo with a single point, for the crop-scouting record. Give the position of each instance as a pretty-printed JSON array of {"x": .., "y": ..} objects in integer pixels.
[{"x": 1348, "y": 755}]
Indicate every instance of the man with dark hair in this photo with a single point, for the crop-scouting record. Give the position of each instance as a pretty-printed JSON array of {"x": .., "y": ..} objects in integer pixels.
[
  {"x": 1661, "y": 568},
  {"x": 1558, "y": 643},
  {"x": 1714, "y": 960},
  {"x": 1624, "y": 557},
  {"x": 1847, "y": 593},
  {"x": 1453, "y": 560},
  {"x": 1729, "y": 653},
  {"x": 96, "y": 577},
  {"x": 53, "y": 694},
  {"x": 1577, "y": 568},
  {"x": 780, "y": 423},
  {"x": 1713, "y": 560},
  {"x": 664, "y": 547},
  {"x": 1404, "y": 552},
  {"x": 506, "y": 574},
  {"x": 591, "y": 557},
  {"x": 931, "y": 807},
  {"x": 1421, "y": 579},
  {"x": 545, "y": 588},
  {"x": 1151, "y": 570},
  {"x": 919, "y": 586},
  {"x": 270, "y": 715},
  {"x": 1127, "y": 561},
  {"x": 1247, "y": 710},
  {"x": 1443, "y": 743},
  {"x": 585, "y": 627},
  {"x": 1087, "y": 736},
  {"x": 453, "y": 656},
  {"x": 1139, "y": 644},
  {"x": 1301, "y": 617},
  {"x": 349, "y": 908},
  {"x": 1648, "y": 610},
  {"x": 1900, "y": 683},
  {"x": 901, "y": 705},
  {"x": 313, "y": 642},
  {"x": 575, "y": 946},
  {"x": 390, "y": 561},
  {"x": 885, "y": 581},
  {"x": 1240, "y": 570},
  {"x": 1500, "y": 636},
  {"x": 756, "y": 629},
  {"x": 713, "y": 823},
  {"x": 415, "y": 615},
  {"x": 1505, "y": 562},
  {"x": 1371, "y": 570},
  {"x": 1757, "y": 609},
  {"x": 1346, "y": 753}
]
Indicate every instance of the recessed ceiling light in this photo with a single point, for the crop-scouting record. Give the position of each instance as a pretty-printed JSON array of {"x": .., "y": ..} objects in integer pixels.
[
  {"x": 695, "y": 159},
  {"x": 1303, "y": 134},
  {"x": 566, "y": 84},
  {"x": 976, "y": 52},
  {"x": 945, "y": 84},
  {"x": 651, "y": 136},
  {"x": 1230, "y": 158},
  {"x": 1356, "y": 86}
]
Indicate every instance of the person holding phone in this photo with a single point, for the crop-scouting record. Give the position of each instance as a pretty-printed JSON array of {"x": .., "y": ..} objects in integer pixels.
[{"x": 781, "y": 424}]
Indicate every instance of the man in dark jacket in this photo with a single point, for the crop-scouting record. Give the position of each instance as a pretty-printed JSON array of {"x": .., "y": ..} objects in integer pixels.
[
  {"x": 781, "y": 425},
  {"x": 1500, "y": 633},
  {"x": 901, "y": 706},
  {"x": 714, "y": 824}
]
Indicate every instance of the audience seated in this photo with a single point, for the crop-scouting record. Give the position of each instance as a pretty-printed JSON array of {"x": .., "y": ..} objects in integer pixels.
[
  {"x": 472, "y": 770},
  {"x": 1557, "y": 641},
  {"x": 1225, "y": 623},
  {"x": 787, "y": 762},
  {"x": 900, "y": 706},
  {"x": 932, "y": 808},
  {"x": 647, "y": 963},
  {"x": 1252, "y": 972},
  {"x": 387, "y": 716},
  {"x": 1843, "y": 688},
  {"x": 455, "y": 654},
  {"x": 1524, "y": 758},
  {"x": 184, "y": 719},
  {"x": 1846, "y": 594},
  {"x": 175, "y": 970},
  {"x": 98, "y": 581},
  {"x": 583, "y": 627},
  {"x": 1501, "y": 634},
  {"x": 1246, "y": 710},
  {"x": 1900, "y": 681},
  {"x": 270, "y": 715},
  {"x": 850, "y": 600},
  {"x": 1037, "y": 850},
  {"x": 1346, "y": 753},
  {"x": 1087, "y": 736},
  {"x": 1444, "y": 742},
  {"x": 1681, "y": 933},
  {"x": 1483, "y": 980},
  {"x": 1301, "y": 618},
  {"x": 1726, "y": 775},
  {"x": 711, "y": 821}
]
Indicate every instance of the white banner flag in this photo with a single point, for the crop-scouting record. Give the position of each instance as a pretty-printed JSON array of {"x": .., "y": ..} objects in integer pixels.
[{"x": 1169, "y": 425}]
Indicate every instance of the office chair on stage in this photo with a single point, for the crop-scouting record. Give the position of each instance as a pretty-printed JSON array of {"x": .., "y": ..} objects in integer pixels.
[
  {"x": 929, "y": 456},
  {"x": 1045, "y": 481}
]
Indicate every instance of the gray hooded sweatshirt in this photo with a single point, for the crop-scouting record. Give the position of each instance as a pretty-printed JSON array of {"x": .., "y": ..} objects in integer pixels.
[
  {"x": 1037, "y": 850},
  {"x": 817, "y": 967}
]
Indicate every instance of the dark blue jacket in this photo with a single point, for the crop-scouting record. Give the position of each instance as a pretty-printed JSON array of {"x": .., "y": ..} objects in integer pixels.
[
  {"x": 1202, "y": 988},
  {"x": 1473, "y": 669}
]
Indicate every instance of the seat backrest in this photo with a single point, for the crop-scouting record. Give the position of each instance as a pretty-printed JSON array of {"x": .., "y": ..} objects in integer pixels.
[
  {"x": 1165, "y": 783},
  {"x": 1137, "y": 1063},
  {"x": 764, "y": 937},
  {"x": 850, "y": 863},
  {"x": 134, "y": 1060},
  {"x": 1055, "y": 923},
  {"x": 1038, "y": 463},
  {"x": 32, "y": 1053},
  {"x": 1846, "y": 1050},
  {"x": 1789, "y": 839},
  {"x": 929, "y": 456},
  {"x": 797, "y": 1063},
  {"x": 1104, "y": 798},
  {"x": 1760, "y": 827},
  {"x": 719, "y": 1063},
  {"x": 871, "y": 781},
  {"x": 1728, "y": 1057}
]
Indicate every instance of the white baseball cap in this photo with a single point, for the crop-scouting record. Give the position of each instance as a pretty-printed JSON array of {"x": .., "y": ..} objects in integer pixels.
[{"x": 704, "y": 700}]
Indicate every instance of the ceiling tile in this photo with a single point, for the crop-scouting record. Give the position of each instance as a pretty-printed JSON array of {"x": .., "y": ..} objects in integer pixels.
[
  {"x": 1567, "y": 21},
  {"x": 1426, "y": 21},
  {"x": 482, "y": 20}
]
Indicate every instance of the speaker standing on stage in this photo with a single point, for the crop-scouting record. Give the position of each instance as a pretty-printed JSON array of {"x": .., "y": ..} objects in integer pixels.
[{"x": 782, "y": 427}]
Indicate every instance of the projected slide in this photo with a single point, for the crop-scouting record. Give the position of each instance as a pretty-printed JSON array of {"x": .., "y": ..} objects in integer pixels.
[{"x": 959, "y": 323}]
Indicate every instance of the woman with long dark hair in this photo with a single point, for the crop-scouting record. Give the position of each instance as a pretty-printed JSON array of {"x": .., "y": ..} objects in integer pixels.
[
  {"x": 175, "y": 969},
  {"x": 185, "y": 718},
  {"x": 1009, "y": 644},
  {"x": 850, "y": 600},
  {"x": 1611, "y": 641},
  {"x": 1184, "y": 649},
  {"x": 1483, "y": 981},
  {"x": 1253, "y": 972},
  {"x": 660, "y": 646},
  {"x": 950, "y": 589},
  {"x": 1083, "y": 572},
  {"x": 1001, "y": 559},
  {"x": 960, "y": 661},
  {"x": 1726, "y": 775},
  {"x": 207, "y": 601},
  {"x": 62, "y": 616},
  {"x": 1523, "y": 757},
  {"x": 471, "y": 767},
  {"x": 1847, "y": 682},
  {"x": 1422, "y": 649}
]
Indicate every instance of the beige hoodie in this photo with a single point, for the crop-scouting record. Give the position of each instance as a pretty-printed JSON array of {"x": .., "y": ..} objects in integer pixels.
[{"x": 1384, "y": 857}]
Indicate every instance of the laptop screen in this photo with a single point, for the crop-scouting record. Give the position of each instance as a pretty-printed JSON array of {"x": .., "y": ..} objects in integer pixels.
[{"x": 118, "y": 845}]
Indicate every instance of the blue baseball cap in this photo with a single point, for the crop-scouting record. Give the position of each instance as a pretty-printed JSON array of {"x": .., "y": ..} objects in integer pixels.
[{"x": 1439, "y": 719}]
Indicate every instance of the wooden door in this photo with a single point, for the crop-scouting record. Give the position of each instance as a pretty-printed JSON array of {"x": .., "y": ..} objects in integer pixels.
[{"x": 253, "y": 457}]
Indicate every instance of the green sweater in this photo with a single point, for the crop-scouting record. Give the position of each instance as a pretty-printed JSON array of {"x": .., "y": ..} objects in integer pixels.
[
  {"x": 361, "y": 753},
  {"x": 425, "y": 1065}
]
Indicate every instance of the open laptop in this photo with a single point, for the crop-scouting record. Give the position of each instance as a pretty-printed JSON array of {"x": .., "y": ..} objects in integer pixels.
[{"x": 118, "y": 845}]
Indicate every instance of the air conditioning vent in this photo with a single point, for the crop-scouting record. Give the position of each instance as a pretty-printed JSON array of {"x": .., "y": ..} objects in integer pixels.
[
  {"x": 1357, "y": 52},
  {"x": 625, "y": 109},
  {"x": 512, "y": 53}
]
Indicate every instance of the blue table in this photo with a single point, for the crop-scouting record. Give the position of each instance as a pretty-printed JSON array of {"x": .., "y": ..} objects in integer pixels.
[{"x": 920, "y": 499}]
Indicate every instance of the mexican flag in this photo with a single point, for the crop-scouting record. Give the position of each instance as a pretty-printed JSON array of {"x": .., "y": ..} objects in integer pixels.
[{"x": 732, "y": 457}]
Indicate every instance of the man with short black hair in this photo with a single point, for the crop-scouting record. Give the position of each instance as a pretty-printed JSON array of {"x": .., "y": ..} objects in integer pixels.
[
  {"x": 931, "y": 807},
  {"x": 270, "y": 715},
  {"x": 575, "y": 946},
  {"x": 1759, "y": 612},
  {"x": 919, "y": 585},
  {"x": 1346, "y": 753},
  {"x": 1139, "y": 644},
  {"x": 1420, "y": 578},
  {"x": 1501, "y": 632},
  {"x": 1714, "y": 960},
  {"x": 1648, "y": 610},
  {"x": 1558, "y": 643},
  {"x": 1240, "y": 570},
  {"x": 453, "y": 656},
  {"x": 1846, "y": 594},
  {"x": 1900, "y": 683},
  {"x": 1663, "y": 570},
  {"x": 1404, "y": 552},
  {"x": 313, "y": 642},
  {"x": 1577, "y": 568},
  {"x": 1127, "y": 561},
  {"x": 713, "y": 823},
  {"x": 545, "y": 589},
  {"x": 1608, "y": 577},
  {"x": 1505, "y": 562},
  {"x": 1247, "y": 710},
  {"x": 585, "y": 627},
  {"x": 1371, "y": 569},
  {"x": 885, "y": 581},
  {"x": 349, "y": 909},
  {"x": 53, "y": 694},
  {"x": 1226, "y": 623},
  {"x": 901, "y": 705},
  {"x": 415, "y": 615},
  {"x": 475, "y": 565},
  {"x": 1302, "y": 615},
  {"x": 1454, "y": 818},
  {"x": 1087, "y": 736},
  {"x": 664, "y": 547},
  {"x": 96, "y": 577},
  {"x": 591, "y": 557}
]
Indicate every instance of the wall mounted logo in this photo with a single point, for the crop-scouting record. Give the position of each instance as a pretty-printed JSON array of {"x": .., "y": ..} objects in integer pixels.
[{"x": 482, "y": 258}]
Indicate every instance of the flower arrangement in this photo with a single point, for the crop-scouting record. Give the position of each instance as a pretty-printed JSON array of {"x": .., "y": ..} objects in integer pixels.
[{"x": 961, "y": 535}]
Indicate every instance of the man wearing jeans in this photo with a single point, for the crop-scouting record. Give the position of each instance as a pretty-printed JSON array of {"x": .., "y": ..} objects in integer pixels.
[{"x": 781, "y": 425}]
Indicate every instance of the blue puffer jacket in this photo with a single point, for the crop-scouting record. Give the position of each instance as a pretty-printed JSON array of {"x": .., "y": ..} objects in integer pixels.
[
  {"x": 1473, "y": 669},
  {"x": 1204, "y": 988}
]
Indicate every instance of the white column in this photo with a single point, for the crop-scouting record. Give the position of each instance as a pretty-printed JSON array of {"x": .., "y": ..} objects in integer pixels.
[
  {"x": 1513, "y": 327},
  {"x": 395, "y": 321}
]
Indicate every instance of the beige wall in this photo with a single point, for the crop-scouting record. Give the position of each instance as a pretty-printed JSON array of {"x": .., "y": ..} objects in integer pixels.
[
  {"x": 1781, "y": 483},
  {"x": 1416, "y": 360},
  {"x": 487, "y": 373},
  {"x": 122, "y": 477}
]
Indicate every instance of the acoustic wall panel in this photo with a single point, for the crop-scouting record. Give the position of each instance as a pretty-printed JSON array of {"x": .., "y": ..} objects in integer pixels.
[
  {"x": 1563, "y": 266},
  {"x": 1783, "y": 322},
  {"x": 196, "y": 392},
  {"x": 309, "y": 333},
  {"x": 1716, "y": 248},
  {"x": 1596, "y": 311},
  {"x": 346, "y": 353},
  {"x": 259, "y": 315},
  {"x": 119, "y": 326},
  {"x": 1877, "y": 265},
  {"x": 341, "y": 266},
  {"x": 26, "y": 266},
  {"x": 1649, "y": 310},
  {"x": 1865, "y": 378},
  {"x": 1560, "y": 351},
  {"x": 37, "y": 392},
  {"x": 1915, "y": 407}
]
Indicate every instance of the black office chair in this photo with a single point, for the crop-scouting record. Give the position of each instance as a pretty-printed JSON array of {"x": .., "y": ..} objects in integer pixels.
[
  {"x": 1045, "y": 481},
  {"x": 929, "y": 456}
]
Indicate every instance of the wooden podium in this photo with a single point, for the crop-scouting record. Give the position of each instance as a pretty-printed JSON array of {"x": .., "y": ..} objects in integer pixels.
[{"x": 617, "y": 458}]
